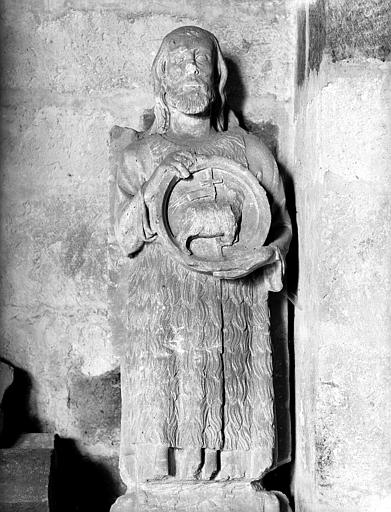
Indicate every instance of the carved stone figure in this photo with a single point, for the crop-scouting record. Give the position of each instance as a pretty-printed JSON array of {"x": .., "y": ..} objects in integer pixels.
[
  {"x": 201, "y": 212},
  {"x": 208, "y": 219}
]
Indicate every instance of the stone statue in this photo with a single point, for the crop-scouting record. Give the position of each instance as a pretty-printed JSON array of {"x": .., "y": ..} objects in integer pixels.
[{"x": 200, "y": 211}]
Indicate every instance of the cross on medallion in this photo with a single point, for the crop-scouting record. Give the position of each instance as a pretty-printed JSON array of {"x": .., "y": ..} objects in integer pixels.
[
  {"x": 210, "y": 181},
  {"x": 208, "y": 187}
]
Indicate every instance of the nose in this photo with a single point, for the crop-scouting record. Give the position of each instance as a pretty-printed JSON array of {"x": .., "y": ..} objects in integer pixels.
[{"x": 191, "y": 68}]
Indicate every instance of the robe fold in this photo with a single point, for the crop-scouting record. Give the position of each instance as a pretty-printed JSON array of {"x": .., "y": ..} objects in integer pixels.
[{"x": 197, "y": 370}]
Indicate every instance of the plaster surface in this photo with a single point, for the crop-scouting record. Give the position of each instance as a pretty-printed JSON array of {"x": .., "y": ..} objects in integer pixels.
[{"x": 342, "y": 319}]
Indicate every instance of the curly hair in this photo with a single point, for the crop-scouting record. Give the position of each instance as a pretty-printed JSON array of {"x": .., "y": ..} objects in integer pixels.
[{"x": 162, "y": 114}]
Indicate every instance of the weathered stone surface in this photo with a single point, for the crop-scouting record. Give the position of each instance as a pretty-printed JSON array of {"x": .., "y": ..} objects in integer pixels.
[
  {"x": 70, "y": 71},
  {"x": 359, "y": 28},
  {"x": 54, "y": 269},
  {"x": 201, "y": 497},
  {"x": 85, "y": 49},
  {"x": 316, "y": 33},
  {"x": 24, "y": 507},
  {"x": 34, "y": 442},
  {"x": 6, "y": 378},
  {"x": 190, "y": 210},
  {"x": 220, "y": 228},
  {"x": 342, "y": 344},
  {"x": 97, "y": 405},
  {"x": 83, "y": 480},
  {"x": 24, "y": 474}
]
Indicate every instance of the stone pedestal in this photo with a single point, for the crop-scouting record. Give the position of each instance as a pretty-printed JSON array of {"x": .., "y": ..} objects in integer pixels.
[{"x": 175, "y": 496}]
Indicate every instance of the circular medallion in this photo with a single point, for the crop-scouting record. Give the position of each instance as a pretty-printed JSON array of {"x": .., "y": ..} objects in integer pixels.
[{"x": 215, "y": 219}]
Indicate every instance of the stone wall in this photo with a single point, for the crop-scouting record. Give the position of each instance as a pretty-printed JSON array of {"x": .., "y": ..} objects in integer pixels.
[
  {"x": 343, "y": 186},
  {"x": 70, "y": 71}
]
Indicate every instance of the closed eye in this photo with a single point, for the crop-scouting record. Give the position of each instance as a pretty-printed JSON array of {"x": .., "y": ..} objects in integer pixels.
[{"x": 202, "y": 57}]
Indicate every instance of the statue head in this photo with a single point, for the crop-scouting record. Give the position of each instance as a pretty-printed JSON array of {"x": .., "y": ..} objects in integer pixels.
[{"x": 189, "y": 74}]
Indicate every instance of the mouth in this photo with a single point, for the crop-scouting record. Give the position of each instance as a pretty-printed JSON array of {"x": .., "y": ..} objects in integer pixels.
[{"x": 191, "y": 85}]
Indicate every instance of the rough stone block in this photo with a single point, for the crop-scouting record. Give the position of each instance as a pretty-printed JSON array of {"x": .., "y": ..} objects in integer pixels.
[
  {"x": 24, "y": 474},
  {"x": 359, "y": 28},
  {"x": 6, "y": 378},
  {"x": 342, "y": 341},
  {"x": 201, "y": 497}
]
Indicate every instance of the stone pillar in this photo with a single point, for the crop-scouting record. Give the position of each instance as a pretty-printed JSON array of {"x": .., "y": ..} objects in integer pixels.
[{"x": 343, "y": 187}]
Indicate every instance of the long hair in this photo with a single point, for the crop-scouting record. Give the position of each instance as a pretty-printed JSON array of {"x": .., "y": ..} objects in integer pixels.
[{"x": 162, "y": 114}]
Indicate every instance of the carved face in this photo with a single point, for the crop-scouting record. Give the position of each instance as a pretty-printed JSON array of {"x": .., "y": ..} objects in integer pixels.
[{"x": 189, "y": 74}]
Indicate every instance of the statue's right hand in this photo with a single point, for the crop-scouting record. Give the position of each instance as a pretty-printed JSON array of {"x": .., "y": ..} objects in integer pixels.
[{"x": 179, "y": 163}]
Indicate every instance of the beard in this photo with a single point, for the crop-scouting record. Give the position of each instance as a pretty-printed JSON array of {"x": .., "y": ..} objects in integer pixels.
[{"x": 192, "y": 100}]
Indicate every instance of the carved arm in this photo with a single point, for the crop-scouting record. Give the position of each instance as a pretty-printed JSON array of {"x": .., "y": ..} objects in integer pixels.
[
  {"x": 132, "y": 227},
  {"x": 263, "y": 165}
]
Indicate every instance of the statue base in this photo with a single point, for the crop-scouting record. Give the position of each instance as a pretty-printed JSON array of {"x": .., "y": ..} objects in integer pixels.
[{"x": 228, "y": 496}]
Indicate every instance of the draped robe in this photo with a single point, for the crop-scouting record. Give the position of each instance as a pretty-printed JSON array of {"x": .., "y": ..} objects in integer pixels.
[{"x": 197, "y": 369}]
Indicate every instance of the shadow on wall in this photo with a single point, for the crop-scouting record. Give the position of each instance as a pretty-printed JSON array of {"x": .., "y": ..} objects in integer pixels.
[
  {"x": 80, "y": 483},
  {"x": 235, "y": 89},
  {"x": 16, "y": 408},
  {"x": 282, "y": 313}
]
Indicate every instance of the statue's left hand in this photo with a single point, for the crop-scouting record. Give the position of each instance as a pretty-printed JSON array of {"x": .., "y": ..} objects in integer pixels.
[{"x": 264, "y": 256}]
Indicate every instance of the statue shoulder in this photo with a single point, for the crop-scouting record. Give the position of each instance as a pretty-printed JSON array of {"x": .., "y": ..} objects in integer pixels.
[
  {"x": 261, "y": 160},
  {"x": 137, "y": 155}
]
